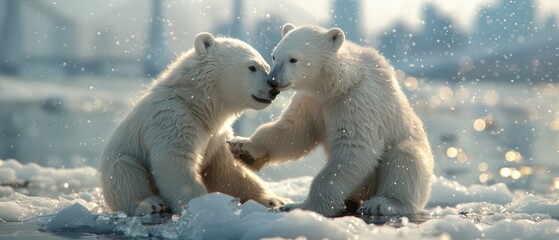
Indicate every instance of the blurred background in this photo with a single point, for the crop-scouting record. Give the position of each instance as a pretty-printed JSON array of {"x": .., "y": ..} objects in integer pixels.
[{"x": 481, "y": 74}]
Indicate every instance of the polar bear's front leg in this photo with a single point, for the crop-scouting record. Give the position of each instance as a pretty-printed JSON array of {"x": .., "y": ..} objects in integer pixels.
[
  {"x": 177, "y": 177},
  {"x": 299, "y": 129}
]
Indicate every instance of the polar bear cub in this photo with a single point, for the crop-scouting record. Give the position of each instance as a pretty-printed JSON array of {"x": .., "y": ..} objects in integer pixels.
[
  {"x": 347, "y": 99},
  {"x": 171, "y": 147}
]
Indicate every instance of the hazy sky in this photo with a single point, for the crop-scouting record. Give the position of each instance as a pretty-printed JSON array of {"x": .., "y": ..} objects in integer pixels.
[
  {"x": 122, "y": 24},
  {"x": 374, "y": 11},
  {"x": 463, "y": 12}
]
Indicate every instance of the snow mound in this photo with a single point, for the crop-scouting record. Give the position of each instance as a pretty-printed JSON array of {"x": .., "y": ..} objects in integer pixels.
[
  {"x": 456, "y": 212},
  {"x": 18, "y": 207},
  {"x": 447, "y": 192},
  {"x": 34, "y": 180},
  {"x": 219, "y": 216}
]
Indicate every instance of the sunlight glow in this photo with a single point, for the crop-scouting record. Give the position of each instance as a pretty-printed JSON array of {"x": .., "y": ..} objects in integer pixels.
[
  {"x": 484, "y": 177},
  {"x": 483, "y": 166},
  {"x": 505, "y": 172},
  {"x": 451, "y": 152},
  {"x": 491, "y": 98},
  {"x": 515, "y": 174},
  {"x": 554, "y": 125},
  {"x": 411, "y": 83},
  {"x": 479, "y": 125},
  {"x": 555, "y": 183},
  {"x": 513, "y": 156}
]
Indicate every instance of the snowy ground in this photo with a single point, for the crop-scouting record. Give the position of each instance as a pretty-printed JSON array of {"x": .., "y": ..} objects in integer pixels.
[{"x": 50, "y": 203}]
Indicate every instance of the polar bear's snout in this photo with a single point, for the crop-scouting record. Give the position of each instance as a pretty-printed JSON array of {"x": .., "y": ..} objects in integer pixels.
[
  {"x": 276, "y": 78},
  {"x": 273, "y": 93}
]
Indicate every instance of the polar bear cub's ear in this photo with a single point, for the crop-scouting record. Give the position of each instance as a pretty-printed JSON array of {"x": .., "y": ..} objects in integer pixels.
[
  {"x": 202, "y": 42},
  {"x": 337, "y": 38},
  {"x": 286, "y": 28}
]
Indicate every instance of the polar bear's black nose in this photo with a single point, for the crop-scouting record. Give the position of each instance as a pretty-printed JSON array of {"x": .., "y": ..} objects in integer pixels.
[
  {"x": 273, "y": 93},
  {"x": 272, "y": 82}
]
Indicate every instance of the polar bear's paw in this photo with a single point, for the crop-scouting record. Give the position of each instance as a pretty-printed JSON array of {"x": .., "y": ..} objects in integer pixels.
[
  {"x": 272, "y": 201},
  {"x": 384, "y": 206},
  {"x": 292, "y": 206},
  {"x": 246, "y": 151},
  {"x": 151, "y": 205}
]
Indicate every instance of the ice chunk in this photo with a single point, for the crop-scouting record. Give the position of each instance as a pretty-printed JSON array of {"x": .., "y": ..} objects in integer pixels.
[
  {"x": 134, "y": 228},
  {"x": 299, "y": 223},
  {"x": 252, "y": 206},
  {"x": 213, "y": 202},
  {"x": 73, "y": 216}
]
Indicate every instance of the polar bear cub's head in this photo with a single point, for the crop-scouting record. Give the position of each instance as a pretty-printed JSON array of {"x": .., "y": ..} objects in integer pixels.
[
  {"x": 301, "y": 54},
  {"x": 239, "y": 71}
]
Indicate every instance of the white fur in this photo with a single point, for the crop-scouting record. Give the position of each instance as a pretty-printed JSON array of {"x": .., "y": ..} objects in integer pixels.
[
  {"x": 171, "y": 147},
  {"x": 348, "y": 100}
]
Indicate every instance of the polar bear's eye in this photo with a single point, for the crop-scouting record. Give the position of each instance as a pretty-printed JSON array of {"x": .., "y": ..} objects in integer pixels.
[
  {"x": 252, "y": 68},
  {"x": 293, "y": 60},
  {"x": 274, "y": 58}
]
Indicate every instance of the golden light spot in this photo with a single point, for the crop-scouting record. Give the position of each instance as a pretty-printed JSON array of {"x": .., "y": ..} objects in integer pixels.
[
  {"x": 445, "y": 93},
  {"x": 513, "y": 156},
  {"x": 434, "y": 101},
  {"x": 462, "y": 156},
  {"x": 505, "y": 172},
  {"x": 483, "y": 166},
  {"x": 491, "y": 98},
  {"x": 451, "y": 152},
  {"x": 555, "y": 183},
  {"x": 515, "y": 174},
  {"x": 484, "y": 177},
  {"x": 554, "y": 125},
  {"x": 479, "y": 125},
  {"x": 411, "y": 83},
  {"x": 525, "y": 170}
]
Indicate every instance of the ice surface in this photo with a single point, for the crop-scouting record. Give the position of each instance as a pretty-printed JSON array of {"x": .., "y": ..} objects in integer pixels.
[{"x": 455, "y": 211}]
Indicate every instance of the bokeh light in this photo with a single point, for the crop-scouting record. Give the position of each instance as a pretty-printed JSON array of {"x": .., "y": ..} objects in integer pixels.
[
  {"x": 513, "y": 156},
  {"x": 505, "y": 172},
  {"x": 451, "y": 152},
  {"x": 479, "y": 125},
  {"x": 411, "y": 83}
]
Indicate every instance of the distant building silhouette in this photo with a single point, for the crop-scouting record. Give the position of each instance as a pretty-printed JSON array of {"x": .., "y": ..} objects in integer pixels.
[
  {"x": 505, "y": 44},
  {"x": 11, "y": 38},
  {"x": 345, "y": 15},
  {"x": 156, "y": 57}
]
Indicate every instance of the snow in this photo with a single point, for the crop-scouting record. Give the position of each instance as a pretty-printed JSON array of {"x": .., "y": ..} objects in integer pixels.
[{"x": 455, "y": 211}]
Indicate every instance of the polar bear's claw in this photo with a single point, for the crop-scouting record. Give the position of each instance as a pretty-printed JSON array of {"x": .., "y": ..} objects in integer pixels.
[
  {"x": 246, "y": 158},
  {"x": 243, "y": 149},
  {"x": 151, "y": 205},
  {"x": 383, "y": 206}
]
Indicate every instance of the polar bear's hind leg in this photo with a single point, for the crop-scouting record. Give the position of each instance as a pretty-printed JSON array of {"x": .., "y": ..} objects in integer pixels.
[{"x": 126, "y": 186}]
